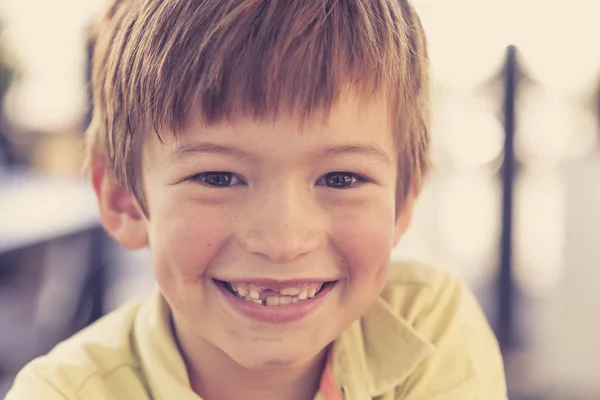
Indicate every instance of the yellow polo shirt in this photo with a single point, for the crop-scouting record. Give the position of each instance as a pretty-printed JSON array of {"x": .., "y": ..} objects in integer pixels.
[{"x": 425, "y": 338}]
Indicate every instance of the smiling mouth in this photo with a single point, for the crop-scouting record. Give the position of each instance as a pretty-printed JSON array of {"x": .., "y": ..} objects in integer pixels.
[{"x": 271, "y": 296}]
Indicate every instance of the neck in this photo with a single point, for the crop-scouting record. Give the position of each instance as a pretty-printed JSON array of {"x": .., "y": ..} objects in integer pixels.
[{"x": 214, "y": 375}]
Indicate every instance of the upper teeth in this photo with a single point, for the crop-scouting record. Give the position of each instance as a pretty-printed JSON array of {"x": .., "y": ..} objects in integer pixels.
[
  {"x": 290, "y": 291},
  {"x": 253, "y": 294},
  {"x": 288, "y": 295}
]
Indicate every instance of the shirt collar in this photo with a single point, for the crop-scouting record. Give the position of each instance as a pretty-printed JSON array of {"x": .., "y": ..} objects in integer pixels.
[
  {"x": 158, "y": 352},
  {"x": 377, "y": 353}
]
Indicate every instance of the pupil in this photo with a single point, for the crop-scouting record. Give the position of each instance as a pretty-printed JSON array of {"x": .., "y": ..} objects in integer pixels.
[
  {"x": 340, "y": 180},
  {"x": 218, "y": 179}
]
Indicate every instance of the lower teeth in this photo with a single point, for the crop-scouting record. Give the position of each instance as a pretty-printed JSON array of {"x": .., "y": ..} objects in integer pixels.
[{"x": 273, "y": 301}]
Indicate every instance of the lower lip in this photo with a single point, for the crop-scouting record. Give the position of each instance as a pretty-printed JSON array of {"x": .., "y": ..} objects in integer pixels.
[{"x": 276, "y": 314}]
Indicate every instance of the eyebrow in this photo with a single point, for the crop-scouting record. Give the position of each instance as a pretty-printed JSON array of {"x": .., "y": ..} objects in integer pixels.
[
  {"x": 188, "y": 149},
  {"x": 359, "y": 148}
]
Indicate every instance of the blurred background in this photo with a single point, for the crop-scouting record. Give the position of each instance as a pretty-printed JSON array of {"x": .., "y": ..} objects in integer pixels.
[{"x": 513, "y": 205}]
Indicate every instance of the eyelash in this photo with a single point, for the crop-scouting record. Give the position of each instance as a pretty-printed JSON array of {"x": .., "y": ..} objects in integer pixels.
[{"x": 202, "y": 177}]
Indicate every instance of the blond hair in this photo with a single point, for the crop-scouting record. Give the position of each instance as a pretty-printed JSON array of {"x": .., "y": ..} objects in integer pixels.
[{"x": 158, "y": 62}]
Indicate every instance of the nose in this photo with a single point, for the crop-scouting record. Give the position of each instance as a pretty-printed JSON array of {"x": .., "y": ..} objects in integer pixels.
[{"x": 283, "y": 225}]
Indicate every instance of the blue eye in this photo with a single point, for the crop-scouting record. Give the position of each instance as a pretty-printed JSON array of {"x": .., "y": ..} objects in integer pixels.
[
  {"x": 340, "y": 180},
  {"x": 217, "y": 179}
]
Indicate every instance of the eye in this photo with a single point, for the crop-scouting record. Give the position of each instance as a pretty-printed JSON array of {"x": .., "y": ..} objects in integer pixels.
[
  {"x": 217, "y": 179},
  {"x": 340, "y": 180}
]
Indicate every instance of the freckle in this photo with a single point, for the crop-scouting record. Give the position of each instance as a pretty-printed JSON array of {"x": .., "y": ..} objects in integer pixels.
[{"x": 209, "y": 244}]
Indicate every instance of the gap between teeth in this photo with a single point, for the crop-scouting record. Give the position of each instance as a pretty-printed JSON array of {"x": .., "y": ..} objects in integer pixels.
[
  {"x": 291, "y": 295},
  {"x": 276, "y": 300}
]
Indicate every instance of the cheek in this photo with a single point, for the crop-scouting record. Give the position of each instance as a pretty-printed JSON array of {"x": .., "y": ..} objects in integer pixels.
[
  {"x": 364, "y": 238},
  {"x": 184, "y": 239}
]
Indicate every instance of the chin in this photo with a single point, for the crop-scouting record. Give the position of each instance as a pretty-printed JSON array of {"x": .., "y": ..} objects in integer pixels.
[{"x": 270, "y": 356}]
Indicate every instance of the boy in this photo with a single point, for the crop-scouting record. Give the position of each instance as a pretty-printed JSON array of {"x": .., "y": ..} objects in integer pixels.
[{"x": 268, "y": 153}]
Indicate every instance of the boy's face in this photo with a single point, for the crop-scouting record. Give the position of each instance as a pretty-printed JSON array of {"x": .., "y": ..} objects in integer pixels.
[{"x": 265, "y": 208}]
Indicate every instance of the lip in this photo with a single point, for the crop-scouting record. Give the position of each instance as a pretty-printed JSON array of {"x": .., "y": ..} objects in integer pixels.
[
  {"x": 276, "y": 314},
  {"x": 276, "y": 283}
]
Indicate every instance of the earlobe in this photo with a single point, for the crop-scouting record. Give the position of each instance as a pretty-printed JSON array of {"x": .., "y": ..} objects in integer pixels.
[{"x": 120, "y": 212}]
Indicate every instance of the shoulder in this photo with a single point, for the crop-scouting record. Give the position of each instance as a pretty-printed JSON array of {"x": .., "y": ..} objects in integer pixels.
[
  {"x": 91, "y": 356},
  {"x": 409, "y": 272},
  {"x": 414, "y": 290},
  {"x": 443, "y": 311}
]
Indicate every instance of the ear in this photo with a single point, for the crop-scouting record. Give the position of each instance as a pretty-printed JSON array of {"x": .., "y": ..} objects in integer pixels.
[
  {"x": 405, "y": 214},
  {"x": 120, "y": 213}
]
